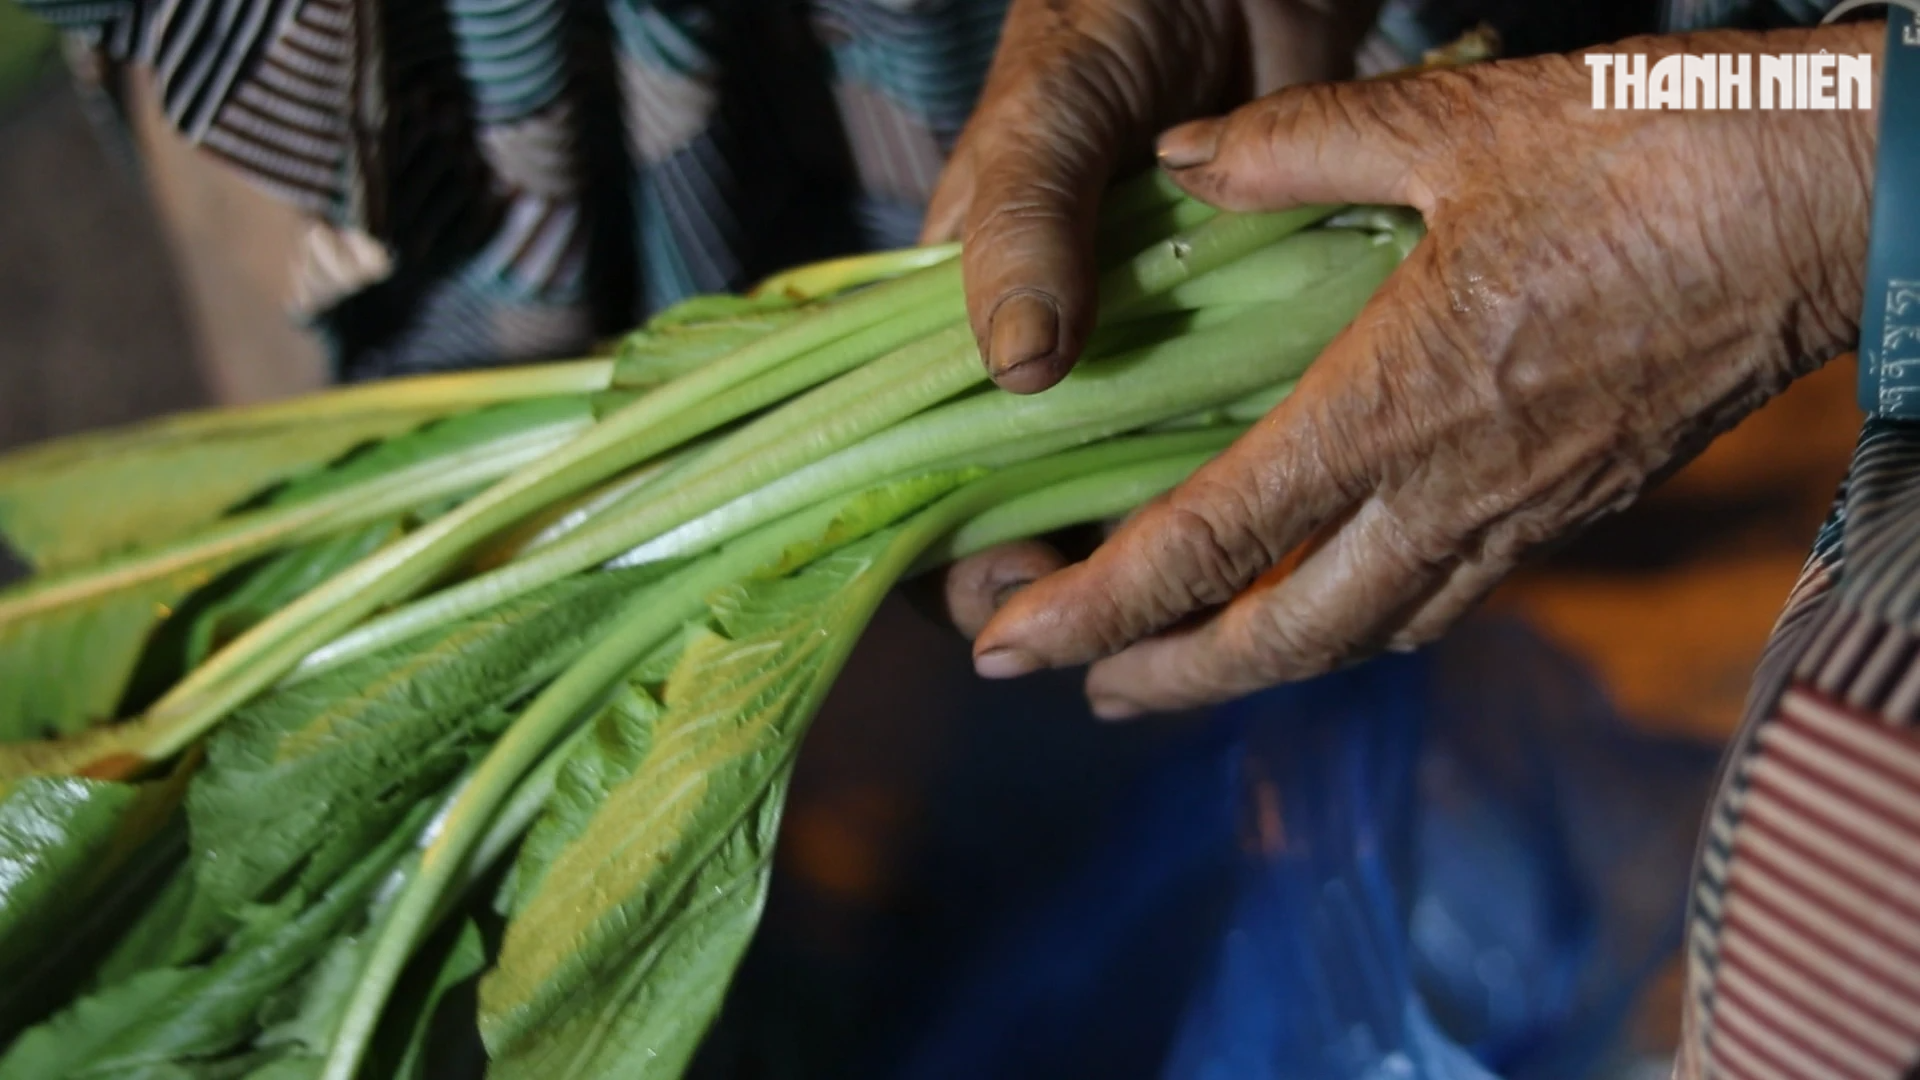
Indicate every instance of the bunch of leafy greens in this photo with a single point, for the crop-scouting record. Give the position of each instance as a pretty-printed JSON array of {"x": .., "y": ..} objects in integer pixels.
[{"x": 317, "y": 711}]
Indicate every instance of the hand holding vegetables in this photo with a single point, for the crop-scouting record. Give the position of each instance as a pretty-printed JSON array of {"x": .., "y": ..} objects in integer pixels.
[
  {"x": 305, "y": 697},
  {"x": 1077, "y": 91},
  {"x": 1598, "y": 295}
]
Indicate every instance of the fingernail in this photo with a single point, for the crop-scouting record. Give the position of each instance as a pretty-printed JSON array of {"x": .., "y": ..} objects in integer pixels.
[
  {"x": 1190, "y": 144},
  {"x": 1025, "y": 327},
  {"x": 1110, "y": 708},
  {"x": 1005, "y": 664}
]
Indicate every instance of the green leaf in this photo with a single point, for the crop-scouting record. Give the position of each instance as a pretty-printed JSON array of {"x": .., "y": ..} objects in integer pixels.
[
  {"x": 67, "y": 663},
  {"x": 870, "y": 511},
  {"x": 302, "y": 1018},
  {"x": 70, "y": 643},
  {"x": 643, "y": 884},
  {"x": 615, "y": 746},
  {"x": 700, "y": 329},
  {"x": 61, "y": 841},
  {"x": 709, "y": 308},
  {"x": 648, "y": 1020},
  {"x": 295, "y": 1067},
  {"x": 295, "y": 1048},
  {"x": 507, "y": 789},
  {"x": 450, "y": 437},
  {"x": 453, "y": 957},
  {"x": 73, "y": 501},
  {"x": 297, "y": 1021},
  {"x": 59, "y": 1049},
  {"x": 159, "y": 935},
  {"x": 52, "y": 831},
  {"x": 161, "y": 1021},
  {"x": 299, "y": 781},
  {"x": 278, "y": 582}
]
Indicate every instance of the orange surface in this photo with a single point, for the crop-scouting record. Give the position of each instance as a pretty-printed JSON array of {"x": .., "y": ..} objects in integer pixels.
[{"x": 1673, "y": 601}]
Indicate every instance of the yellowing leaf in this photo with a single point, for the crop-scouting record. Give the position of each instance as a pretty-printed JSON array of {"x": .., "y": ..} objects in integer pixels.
[
  {"x": 69, "y": 642},
  {"x": 72, "y": 502},
  {"x": 626, "y": 934}
]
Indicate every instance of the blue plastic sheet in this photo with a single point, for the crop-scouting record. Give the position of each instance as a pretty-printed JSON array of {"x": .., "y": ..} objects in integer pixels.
[{"x": 1453, "y": 865}]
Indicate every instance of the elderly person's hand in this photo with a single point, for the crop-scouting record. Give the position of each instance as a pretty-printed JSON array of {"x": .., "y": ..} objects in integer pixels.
[
  {"x": 1077, "y": 93},
  {"x": 1599, "y": 294}
]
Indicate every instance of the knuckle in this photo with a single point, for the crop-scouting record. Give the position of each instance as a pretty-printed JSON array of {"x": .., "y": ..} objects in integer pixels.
[
  {"x": 1118, "y": 626},
  {"x": 1415, "y": 540},
  {"x": 1439, "y": 107},
  {"x": 1209, "y": 561},
  {"x": 995, "y": 222},
  {"x": 970, "y": 579},
  {"x": 1017, "y": 194},
  {"x": 1324, "y": 118},
  {"x": 1340, "y": 437},
  {"x": 1069, "y": 104},
  {"x": 1091, "y": 88}
]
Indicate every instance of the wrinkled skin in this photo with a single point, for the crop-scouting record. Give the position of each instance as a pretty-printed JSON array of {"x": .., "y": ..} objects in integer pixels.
[
  {"x": 1077, "y": 94},
  {"x": 1599, "y": 294},
  {"x": 1078, "y": 91}
]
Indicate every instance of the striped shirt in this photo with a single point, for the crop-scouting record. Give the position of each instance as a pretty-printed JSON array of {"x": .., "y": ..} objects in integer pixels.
[
  {"x": 498, "y": 181},
  {"x": 1804, "y": 931}
]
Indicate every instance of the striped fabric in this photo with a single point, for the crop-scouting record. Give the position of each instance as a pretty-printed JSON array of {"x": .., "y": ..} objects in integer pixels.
[
  {"x": 1804, "y": 936},
  {"x": 504, "y": 180}
]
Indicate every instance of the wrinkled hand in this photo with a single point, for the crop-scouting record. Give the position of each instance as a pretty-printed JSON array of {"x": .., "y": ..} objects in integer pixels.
[
  {"x": 1599, "y": 294},
  {"x": 1078, "y": 90}
]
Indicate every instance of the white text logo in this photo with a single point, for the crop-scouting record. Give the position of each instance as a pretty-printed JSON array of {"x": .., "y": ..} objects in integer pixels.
[{"x": 1732, "y": 81}]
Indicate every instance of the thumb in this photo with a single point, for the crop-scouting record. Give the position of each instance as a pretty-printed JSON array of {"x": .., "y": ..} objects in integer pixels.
[
  {"x": 1326, "y": 143},
  {"x": 1028, "y": 246}
]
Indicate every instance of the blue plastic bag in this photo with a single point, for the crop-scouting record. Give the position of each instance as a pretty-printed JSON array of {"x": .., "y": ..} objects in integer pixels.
[
  {"x": 1455, "y": 865},
  {"x": 1312, "y": 978}
]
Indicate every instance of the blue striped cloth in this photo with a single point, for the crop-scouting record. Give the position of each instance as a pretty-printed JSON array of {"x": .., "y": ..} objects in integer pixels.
[{"x": 507, "y": 180}]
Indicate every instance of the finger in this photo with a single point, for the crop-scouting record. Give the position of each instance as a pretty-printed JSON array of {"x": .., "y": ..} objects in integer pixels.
[
  {"x": 1074, "y": 90},
  {"x": 1195, "y": 548},
  {"x": 1340, "y": 605},
  {"x": 1028, "y": 248},
  {"x": 1325, "y": 143},
  {"x": 947, "y": 209},
  {"x": 977, "y": 586},
  {"x": 1469, "y": 584}
]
